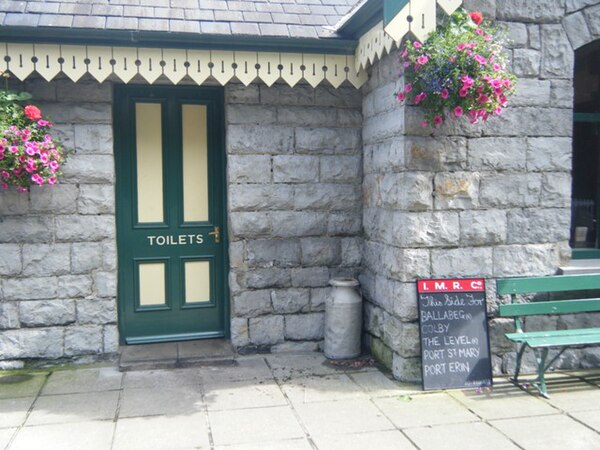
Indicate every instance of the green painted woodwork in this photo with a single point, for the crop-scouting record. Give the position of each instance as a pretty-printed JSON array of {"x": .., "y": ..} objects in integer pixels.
[
  {"x": 550, "y": 307},
  {"x": 362, "y": 20},
  {"x": 558, "y": 283},
  {"x": 175, "y": 320},
  {"x": 586, "y": 117},
  {"x": 557, "y": 339},
  {"x": 391, "y": 8},
  {"x": 519, "y": 337},
  {"x": 585, "y": 253}
]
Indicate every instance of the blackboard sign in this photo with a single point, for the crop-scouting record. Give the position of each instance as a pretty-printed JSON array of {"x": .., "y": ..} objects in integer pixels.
[{"x": 455, "y": 349}]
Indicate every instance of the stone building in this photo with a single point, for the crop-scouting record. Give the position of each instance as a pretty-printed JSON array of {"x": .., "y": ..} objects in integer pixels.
[{"x": 233, "y": 156}]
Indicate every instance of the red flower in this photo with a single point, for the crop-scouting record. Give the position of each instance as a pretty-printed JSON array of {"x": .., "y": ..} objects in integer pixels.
[
  {"x": 476, "y": 17},
  {"x": 33, "y": 112}
]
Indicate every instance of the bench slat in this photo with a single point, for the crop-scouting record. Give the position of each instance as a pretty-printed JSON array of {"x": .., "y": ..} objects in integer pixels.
[
  {"x": 550, "y": 307},
  {"x": 518, "y": 337},
  {"x": 559, "y": 283},
  {"x": 563, "y": 341}
]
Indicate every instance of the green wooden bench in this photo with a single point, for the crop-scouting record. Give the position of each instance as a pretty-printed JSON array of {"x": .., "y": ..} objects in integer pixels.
[{"x": 542, "y": 341}]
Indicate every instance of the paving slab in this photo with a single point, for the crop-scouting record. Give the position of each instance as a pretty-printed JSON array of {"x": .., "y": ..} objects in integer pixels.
[
  {"x": 464, "y": 436},
  {"x": 577, "y": 397},
  {"x": 188, "y": 431},
  {"x": 424, "y": 410},
  {"x": 157, "y": 401},
  {"x": 289, "y": 444},
  {"x": 74, "y": 408},
  {"x": 388, "y": 440},
  {"x": 162, "y": 378},
  {"x": 166, "y": 352},
  {"x": 5, "y": 436},
  {"x": 244, "y": 369},
  {"x": 243, "y": 394},
  {"x": 286, "y": 366},
  {"x": 555, "y": 432},
  {"x": 590, "y": 418},
  {"x": 376, "y": 384},
  {"x": 259, "y": 426},
  {"x": 504, "y": 401},
  {"x": 14, "y": 410},
  {"x": 96, "y": 435},
  {"x": 342, "y": 417},
  {"x": 83, "y": 380},
  {"x": 21, "y": 385},
  {"x": 322, "y": 388}
]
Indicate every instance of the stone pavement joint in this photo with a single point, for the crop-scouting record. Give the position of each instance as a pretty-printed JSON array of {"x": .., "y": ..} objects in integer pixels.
[{"x": 287, "y": 401}]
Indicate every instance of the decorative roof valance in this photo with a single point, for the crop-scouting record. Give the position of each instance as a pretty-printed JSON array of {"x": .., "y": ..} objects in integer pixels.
[
  {"x": 48, "y": 60},
  {"x": 400, "y": 17}
]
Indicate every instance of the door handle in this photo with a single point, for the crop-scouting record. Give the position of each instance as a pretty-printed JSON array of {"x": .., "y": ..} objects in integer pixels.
[{"x": 217, "y": 234}]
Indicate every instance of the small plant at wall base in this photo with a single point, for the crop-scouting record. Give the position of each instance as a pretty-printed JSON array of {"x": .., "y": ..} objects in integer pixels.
[
  {"x": 29, "y": 155},
  {"x": 459, "y": 71}
]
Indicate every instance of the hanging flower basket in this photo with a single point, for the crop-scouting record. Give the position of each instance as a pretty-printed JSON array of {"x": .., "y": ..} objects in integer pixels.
[
  {"x": 29, "y": 154},
  {"x": 459, "y": 71}
]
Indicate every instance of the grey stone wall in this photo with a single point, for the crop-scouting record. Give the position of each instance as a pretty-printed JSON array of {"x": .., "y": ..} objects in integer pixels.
[
  {"x": 57, "y": 249},
  {"x": 490, "y": 200},
  {"x": 294, "y": 177}
]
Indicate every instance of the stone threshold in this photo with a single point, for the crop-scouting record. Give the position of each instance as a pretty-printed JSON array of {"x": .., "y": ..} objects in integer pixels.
[
  {"x": 580, "y": 267},
  {"x": 169, "y": 355}
]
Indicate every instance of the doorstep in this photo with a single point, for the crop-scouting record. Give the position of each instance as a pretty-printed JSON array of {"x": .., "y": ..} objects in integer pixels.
[{"x": 170, "y": 355}]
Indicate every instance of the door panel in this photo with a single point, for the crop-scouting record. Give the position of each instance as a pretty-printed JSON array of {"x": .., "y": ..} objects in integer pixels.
[{"x": 170, "y": 213}]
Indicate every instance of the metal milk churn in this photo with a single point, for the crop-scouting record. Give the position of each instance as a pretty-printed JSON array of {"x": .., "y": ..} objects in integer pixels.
[{"x": 343, "y": 320}]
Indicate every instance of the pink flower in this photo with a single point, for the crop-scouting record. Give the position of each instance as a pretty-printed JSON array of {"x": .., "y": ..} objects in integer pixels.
[
  {"x": 444, "y": 93},
  {"x": 487, "y": 38},
  {"x": 420, "y": 97},
  {"x": 476, "y": 17},
  {"x": 408, "y": 88},
  {"x": 52, "y": 180},
  {"x": 43, "y": 123},
  {"x": 37, "y": 179},
  {"x": 480, "y": 59},
  {"x": 498, "y": 111},
  {"x": 400, "y": 96},
  {"x": 479, "y": 31},
  {"x": 53, "y": 166},
  {"x": 461, "y": 47},
  {"x": 4, "y": 174},
  {"x": 458, "y": 111},
  {"x": 33, "y": 112},
  {"x": 496, "y": 66},
  {"x": 14, "y": 149},
  {"x": 4, "y": 186},
  {"x": 405, "y": 64},
  {"x": 463, "y": 92},
  {"x": 404, "y": 54},
  {"x": 438, "y": 120},
  {"x": 423, "y": 59},
  {"x": 424, "y": 124},
  {"x": 417, "y": 44}
]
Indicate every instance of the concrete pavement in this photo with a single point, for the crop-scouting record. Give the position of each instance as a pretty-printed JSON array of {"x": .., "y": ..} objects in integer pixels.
[{"x": 286, "y": 401}]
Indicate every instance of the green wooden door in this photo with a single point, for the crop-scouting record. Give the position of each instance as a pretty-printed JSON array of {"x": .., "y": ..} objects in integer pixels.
[{"x": 170, "y": 213}]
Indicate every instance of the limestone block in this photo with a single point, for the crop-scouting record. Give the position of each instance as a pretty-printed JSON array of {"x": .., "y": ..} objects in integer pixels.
[
  {"x": 83, "y": 340},
  {"x": 532, "y": 92},
  {"x": 297, "y": 347},
  {"x": 510, "y": 190},
  {"x": 402, "y": 337},
  {"x": 384, "y": 98},
  {"x": 339, "y": 169},
  {"x": 483, "y": 227},
  {"x": 310, "y": 277},
  {"x": 44, "y": 260},
  {"x": 96, "y": 199},
  {"x": 58, "y": 199},
  {"x": 349, "y": 118},
  {"x": 561, "y": 95},
  {"x": 577, "y": 29},
  {"x": 327, "y": 140},
  {"x": 252, "y": 303},
  {"x": 250, "y": 114},
  {"x": 351, "y": 252},
  {"x": 383, "y": 126},
  {"x": 406, "y": 190},
  {"x": 32, "y": 343},
  {"x": 318, "y": 297},
  {"x": 321, "y": 251},
  {"x": 287, "y": 301},
  {"x": 83, "y": 91},
  {"x": 10, "y": 259},
  {"x": 93, "y": 139},
  {"x": 298, "y": 223},
  {"x": 536, "y": 226},
  {"x": 13, "y": 203},
  {"x": 86, "y": 257},
  {"x": 305, "y": 326},
  {"x": 549, "y": 154},
  {"x": 260, "y": 197},
  {"x": 47, "y": 313},
  {"x": 406, "y": 264},
  {"x": 82, "y": 113},
  {"x": 373, "y": 319},
  {"x": 441, "y": 153},
  {"x": 36, "y": 288},
  {"x": 96, "y": 311},
  {"x": 249, "y": 224},
  {"x": 426, "y": 229},
  {"x": 517, "y": 34},
  {"x": 84, "y": 228},
  {"x": 487, "y": 7},
  {"x": 9, "y": 315},
  {"x": 271, "y": 252},
  {"x": 557, "y": 53},
  {"x": 574, "y": 5},
  {"x": 109, "y": 255},
  {"x": 90, "y": 169},
  {"x": 282, "y": 94},
  {"x": 74, "y": 286},
  {"x": 456, "y": 190},
  {"x": 385, "y": 292},
  {"x": 343, "y": 96},
  {"x": 535, "y": 38},
  {"x": 306, "y": 116},
  {"x": 40, "y": 89},
  {"x": 462, "y": 262},
  {"x": 343, "y": 224},
  {"x": 341, "y": 197},
  {"x": 526, "y": 62},
  {"x": 593, "y": 18},
  {"x": 497, "y": 330},
  {"x": 530, "y": 10},
  {"x": 263, "y": 139},
  {"x": 556, "y": 189},
  {"x": 531, "y": 122},
  {"x": 249, "y": 168},
  {"x": 106, "y": 284},
  {"x": 239, "y": 332},
  {"x": 110, "y": 339},
  {"x": 29, "y": 229},
  {"x": 497, "y": 153},
  {"x": 268, "y": 278},
  {"x": 525, "y": 260},
  {"x": 266, "y": 330},
  {"x": 238, "y": 93},
  {"x": 237, "y": 252},
  {"x": 389, "y": 155},
  {"x": 295, "y": 169},
  {"x": 381, "y": 352},
  {"x": 405, "y": 302},
  {"x": 406, "y": 369}
]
